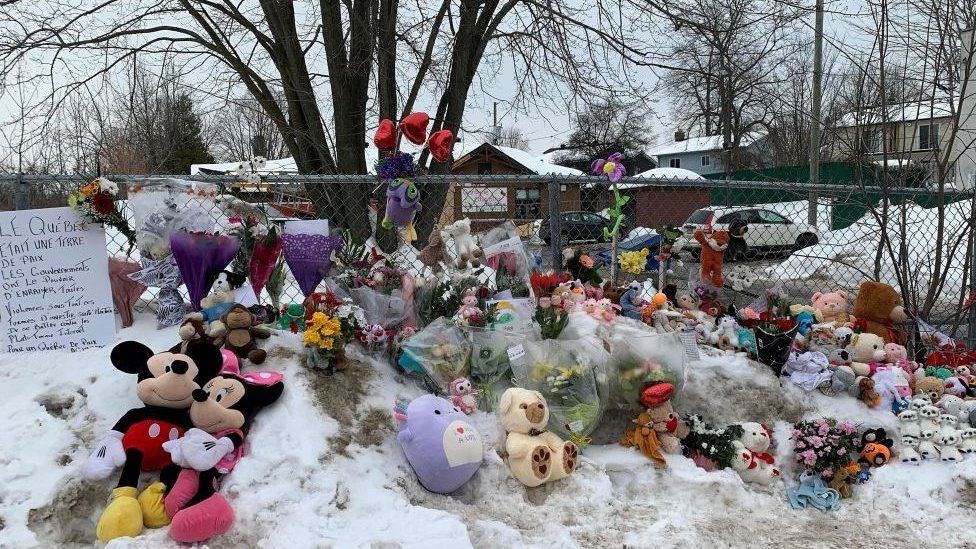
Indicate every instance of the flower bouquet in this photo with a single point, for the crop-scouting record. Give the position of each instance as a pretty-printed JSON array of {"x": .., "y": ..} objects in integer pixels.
[
  {"x": 324, "y": 343},
  {"x": 581, "y": 267},
  {"x": 506, "y": 255},
  {"x": 199, "y": 256},
  {"x": 640, "y": 357},
  {"x": 544, "y": 284},
  {"x": 823, "y": 446},
  {"x": 440, "y": 353},
  {"x": 567, "y": 380},
  {"x": 710, "y": 448},
  {"x": 442, "y": 297},
  {"x": 96, "y": 201},
  {"x": 775, "y": 329},
  {"x": 309, "y": 256},
  {"x": 552, "y": 316},
  {"x": 490, "y": 361}
]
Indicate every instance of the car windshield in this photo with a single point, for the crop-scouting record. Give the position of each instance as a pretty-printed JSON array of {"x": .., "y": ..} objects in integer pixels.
[{"x": 700, "y": 217}]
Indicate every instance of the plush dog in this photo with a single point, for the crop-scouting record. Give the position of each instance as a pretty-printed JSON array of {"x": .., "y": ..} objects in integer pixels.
[
  {"x": 534, "y": 454},
  {"x": 222, "y": 413},
  {"x": 221, "y": 298},
  {"x": 166, "y": 382}
]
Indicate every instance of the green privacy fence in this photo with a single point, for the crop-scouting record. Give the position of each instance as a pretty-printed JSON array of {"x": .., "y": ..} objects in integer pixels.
[{"x": 848, "y": 202}]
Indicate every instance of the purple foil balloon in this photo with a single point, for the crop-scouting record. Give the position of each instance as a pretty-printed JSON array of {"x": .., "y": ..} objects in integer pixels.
[
  {"x": 309, "y": 256},
  {"x": 199, "y": 256}
]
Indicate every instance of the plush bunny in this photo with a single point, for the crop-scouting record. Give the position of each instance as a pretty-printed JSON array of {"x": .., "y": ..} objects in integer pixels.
[{"x": 534, "y": 454}]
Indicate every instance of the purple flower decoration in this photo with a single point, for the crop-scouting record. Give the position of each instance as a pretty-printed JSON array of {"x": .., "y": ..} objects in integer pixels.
[
  {"x": 612, "y": 168},
  {"x": 309, "y": 256},
  {"x": 199, "y": 256},
  {"x": 397, "y": 166}
]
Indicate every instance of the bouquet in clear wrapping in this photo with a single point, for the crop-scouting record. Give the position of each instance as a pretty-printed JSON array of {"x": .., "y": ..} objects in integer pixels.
[
  {"x": 439, "y": 352},
  {"x": 567, "y": 379},
  {"x": 640, "y": 357}
]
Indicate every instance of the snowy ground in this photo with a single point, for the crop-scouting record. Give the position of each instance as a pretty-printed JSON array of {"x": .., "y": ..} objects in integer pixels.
[{"x": 324, "y": 470}]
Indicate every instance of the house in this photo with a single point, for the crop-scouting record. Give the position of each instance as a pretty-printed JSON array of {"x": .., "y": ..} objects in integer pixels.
[
  {"x": 663, "y": 197},
  {"x": 964, "y": 147},
  {"x": 634, "y": 163},
  {"x": 896, "y": 135},
  {"x": 489, "y": 201},
  {"x": 702, "y": 155}
]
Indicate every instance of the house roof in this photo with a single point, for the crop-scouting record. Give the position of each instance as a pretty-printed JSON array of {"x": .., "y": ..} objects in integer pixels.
[
  {"x": 904, "y": 112},
  {"x": 700, "y": 144},
  {"x": 532, "y": 163}
]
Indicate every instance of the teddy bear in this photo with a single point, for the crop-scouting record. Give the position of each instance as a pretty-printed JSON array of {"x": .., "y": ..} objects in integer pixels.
[
  {"x": 866, "y": 349},
  {"x": 752, "y": 461},
  {"x": 241, "y": 334},
  {"x": 465, "y": 244},
  {"x": 929, "y": 421},
  {"x": 967, "y": 439},
  {"x": 166, "y": 383},
  {"x": 930, "y": 386},
  {"x": 947, "y": 445},
  {"x": 866, "y": 392},
  {"x": 534, "y": 455},
  {"x": 878, "y": 310},
  {"x": 222, "y": 413},
  {"x": 832, "y": 307},
  {"x": 725, "y": 336},
  {"x": 464, "y": 396},
  {"x": 435, "y": 252},
  {"x": 664, "y": 420},
  {"x": 441, "y": 446},
  {"x": 643, "y": 436}
]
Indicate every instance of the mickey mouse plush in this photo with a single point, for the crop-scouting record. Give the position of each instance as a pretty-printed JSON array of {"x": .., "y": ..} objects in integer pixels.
[
  {"x": 166, "y": 384},
  {"x": 222, "y": 413}
]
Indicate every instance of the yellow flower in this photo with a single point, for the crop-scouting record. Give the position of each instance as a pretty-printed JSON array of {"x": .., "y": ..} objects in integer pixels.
[
  {"x": 90, "y": 189},
  {"x": 633, "y": 262}
]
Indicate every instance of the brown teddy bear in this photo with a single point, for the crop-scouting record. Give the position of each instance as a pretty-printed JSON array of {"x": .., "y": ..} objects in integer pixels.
[
  {"x": 867, "y": 394},
  {"x": 433, "y": 255},
  {"x": 878, "y": 310},
  {"x": 930, "y": 386},
  {"x": 641, "y": 435},
  {"x": 241, "y": 333}
]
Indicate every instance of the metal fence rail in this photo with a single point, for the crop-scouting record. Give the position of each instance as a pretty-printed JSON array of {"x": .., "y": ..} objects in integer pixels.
[{"x": 801, "y": 238}]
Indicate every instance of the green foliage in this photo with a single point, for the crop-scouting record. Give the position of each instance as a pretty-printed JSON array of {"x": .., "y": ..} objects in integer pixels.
[
  {"x": 551, "y": 320},
  {"x": 186, "y": 140},
  {"x": 713, "y": 444},
  {"x": 276, "y": 283}
]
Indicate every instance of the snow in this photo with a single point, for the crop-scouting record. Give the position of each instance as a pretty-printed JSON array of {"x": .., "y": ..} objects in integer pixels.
[
  {"x": 323, "y": 469},
  {"x": 905, "y": 112},
  {"x": 537, "y": 164},
  {"x": 700, "y": 144}
]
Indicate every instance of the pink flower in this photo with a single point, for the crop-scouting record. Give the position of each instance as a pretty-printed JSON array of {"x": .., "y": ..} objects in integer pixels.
[
  {"x": 817, "y": 442},
  {"x": 823, "y": 429},
  {"x": 810, "y": 460},
  {"x": 235, "y": 219},
  {"x": 834, "y": 439},
  {"x": 800, "y": 444},
  {"x": 845, "y": 427},
  {"x": 796, "y": 432},
  {"x": 827, "y": 474},
  {"x": 556, "y": 301},
  {"x": 842, "y": 451},
  {"x": 544, "y": 302}
]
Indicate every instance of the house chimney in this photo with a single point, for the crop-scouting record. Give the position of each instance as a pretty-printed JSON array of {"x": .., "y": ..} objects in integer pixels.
[{"x": 679, "y": 135}]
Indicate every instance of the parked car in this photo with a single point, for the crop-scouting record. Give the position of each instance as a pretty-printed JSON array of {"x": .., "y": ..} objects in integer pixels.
[
  {"x": 768, "y": 231},
  {"x": 579, "y": 226}
]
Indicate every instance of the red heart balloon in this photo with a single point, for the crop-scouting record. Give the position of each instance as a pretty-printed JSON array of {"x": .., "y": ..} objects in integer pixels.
[
  {"x": 440, "y": 144},
  {"x": 414, "y": 127},
  {"x": 385, "y": 136}
]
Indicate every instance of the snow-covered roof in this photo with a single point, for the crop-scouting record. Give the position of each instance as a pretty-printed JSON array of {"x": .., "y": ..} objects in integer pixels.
[
  {"x": 700, "y": 144},
  {"x": 905, "y": 112},
  {"x": 282, "y": 165},
  {"x": 679, "y": 174},
  {"x": 537, "y": 164}
]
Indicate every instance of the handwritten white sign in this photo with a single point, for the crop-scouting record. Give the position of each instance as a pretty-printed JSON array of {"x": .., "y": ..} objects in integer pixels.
[{"x": 54, "y": 284}]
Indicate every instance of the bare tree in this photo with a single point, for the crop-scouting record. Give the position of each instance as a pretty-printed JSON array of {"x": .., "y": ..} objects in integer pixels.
[
  {"x": 607, "y": 125},
  {"x": 242, "y": 130},
  {"x": 511, "y": 136}
]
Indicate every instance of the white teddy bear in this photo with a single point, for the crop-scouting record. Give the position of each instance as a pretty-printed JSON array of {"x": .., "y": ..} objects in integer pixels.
[
  {"x": 947, "y": 446},
  {"x": 908, "y": 424},
  {"x": 465, "y": 244},
  {"x": 949, "y": 424},
  {"x": 968, "y": 437},
  {"x": 909, "y": 452},
  {"x": 929, "y": 419},
  {"x": 535, "y": 455},
  {"x": 752, "y": 462}
]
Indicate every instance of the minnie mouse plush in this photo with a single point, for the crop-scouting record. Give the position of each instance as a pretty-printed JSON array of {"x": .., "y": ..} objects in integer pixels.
[
  {"x": 222, "y": 413},
  {"x": 166, "y": 385}
]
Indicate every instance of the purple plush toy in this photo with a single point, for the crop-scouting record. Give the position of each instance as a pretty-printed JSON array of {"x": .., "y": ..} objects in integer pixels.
[
  {"x": 402, "y": 202},
  {"x": 441, "y": 446}
]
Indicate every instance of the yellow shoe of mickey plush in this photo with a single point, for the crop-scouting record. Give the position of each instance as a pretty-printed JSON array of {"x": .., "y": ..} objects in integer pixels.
[
  {"x": 122, "y": 517},
  {"x": 151, "y": 500}
]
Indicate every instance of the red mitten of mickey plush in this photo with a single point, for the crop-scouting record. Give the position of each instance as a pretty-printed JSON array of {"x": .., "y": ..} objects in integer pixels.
[{"x": 107, "y": 457}]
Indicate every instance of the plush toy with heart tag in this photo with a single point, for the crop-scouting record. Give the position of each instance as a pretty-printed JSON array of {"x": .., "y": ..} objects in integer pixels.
[{"x": 442, "y": 447}]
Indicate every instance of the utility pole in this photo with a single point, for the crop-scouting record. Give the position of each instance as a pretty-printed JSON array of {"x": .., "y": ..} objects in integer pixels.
[
  {"x": 496, "y": 131},
  {"x": 815, "y": 114}
]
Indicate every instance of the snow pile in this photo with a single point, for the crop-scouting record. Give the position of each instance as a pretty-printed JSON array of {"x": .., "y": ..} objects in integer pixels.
[
  {"x": 848, "y": 255},
  {"x": 324, "y": 469}
]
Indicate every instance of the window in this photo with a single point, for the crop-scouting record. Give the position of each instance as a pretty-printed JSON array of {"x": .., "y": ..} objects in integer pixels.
[
  {"x": 484, "y": 168},
  {"x": 700, "y": 217},
  {"x": 871, "y": 140},
  {"x": 928, "y": 136},
  {"x": 706, "y": 160},
  {"x": 728, "y": 218},
  {"x": 527, "y": 203},
  {"x": 767, "y": 216},
  {"x": 674, "y": 162}
]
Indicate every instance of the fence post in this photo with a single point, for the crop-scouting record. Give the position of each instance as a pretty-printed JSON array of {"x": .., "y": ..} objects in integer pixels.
[
  {"x": 555, "y": 225},
  {"x": 21, "y": 193},
  {"x": 812, "y": 199}
]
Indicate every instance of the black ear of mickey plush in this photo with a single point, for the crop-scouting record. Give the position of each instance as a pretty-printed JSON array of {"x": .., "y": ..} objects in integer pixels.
[
  {"x": 208, "y": 360},
  {"x": 131, "y": 357}
]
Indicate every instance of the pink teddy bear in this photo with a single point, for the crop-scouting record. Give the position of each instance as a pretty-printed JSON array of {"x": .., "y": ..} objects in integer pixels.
[{"x": 897, "y": 355}]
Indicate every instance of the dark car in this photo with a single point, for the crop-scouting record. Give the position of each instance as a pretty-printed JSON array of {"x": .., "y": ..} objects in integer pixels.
[{"x": 579, "y": 226}]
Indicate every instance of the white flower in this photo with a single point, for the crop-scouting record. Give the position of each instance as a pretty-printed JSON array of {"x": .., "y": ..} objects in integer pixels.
[
  {"x": 107, "y": 186},
  {"x": 252, "y": 179},
  {"x": 260, "y": 230}
]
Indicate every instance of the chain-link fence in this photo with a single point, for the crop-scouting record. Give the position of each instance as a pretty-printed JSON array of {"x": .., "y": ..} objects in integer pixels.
[{"x": 799, "y": 239}]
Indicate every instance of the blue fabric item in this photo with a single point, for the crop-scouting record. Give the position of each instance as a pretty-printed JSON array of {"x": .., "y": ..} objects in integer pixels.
[{"x": 812, "y": 492}]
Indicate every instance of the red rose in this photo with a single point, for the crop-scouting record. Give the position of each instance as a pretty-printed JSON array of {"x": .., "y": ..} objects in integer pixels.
[
  {"x": 483, "y": 292},
  {"x": 102, "y": 203}
]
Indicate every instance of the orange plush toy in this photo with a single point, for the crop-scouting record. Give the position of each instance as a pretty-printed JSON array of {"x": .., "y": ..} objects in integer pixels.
[{"x": 713, "y": 246}]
